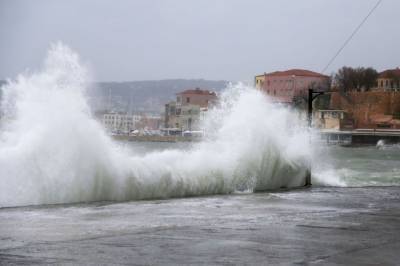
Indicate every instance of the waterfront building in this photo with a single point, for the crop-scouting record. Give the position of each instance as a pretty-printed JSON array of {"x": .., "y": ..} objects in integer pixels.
[
  {"x": 259, "y": 81},
  {"x": 389, "y": 80},
  {"x": 188, "y": 110},
  {"x": 197, "y": 97},
  {"x": 189, "y": 117},
  {"x": 332, "y": 120},
  {"x": 149, "y": 122},
  {"x": 171, "y": 116},
  {"x": 289, "y": 85},
  {"x": 120, "y": 122}
]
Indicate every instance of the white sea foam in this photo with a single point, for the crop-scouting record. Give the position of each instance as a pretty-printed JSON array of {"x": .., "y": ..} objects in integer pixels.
[{"x": 52, "y": 151}]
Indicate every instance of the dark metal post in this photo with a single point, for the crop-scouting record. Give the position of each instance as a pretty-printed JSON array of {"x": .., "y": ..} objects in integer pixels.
[
  {"x": 309, "y": 117},
  {"x": 309, "y": 113},
  {"x": 311, "y": 98}
]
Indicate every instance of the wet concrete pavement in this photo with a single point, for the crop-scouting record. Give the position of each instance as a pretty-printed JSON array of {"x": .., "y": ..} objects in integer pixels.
[{"x": 327, "y": 226}]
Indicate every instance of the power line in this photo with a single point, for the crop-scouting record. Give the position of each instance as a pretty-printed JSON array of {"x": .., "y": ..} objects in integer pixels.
[{"x": 351, "y": 36}]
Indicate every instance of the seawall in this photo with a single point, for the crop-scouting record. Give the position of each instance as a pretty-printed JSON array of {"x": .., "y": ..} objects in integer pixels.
[{"x": 156, "y": 138}]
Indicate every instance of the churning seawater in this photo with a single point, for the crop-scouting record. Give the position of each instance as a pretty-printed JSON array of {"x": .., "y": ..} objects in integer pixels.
[
  {"x": 360, "y": 166},
  {"x": 332, "y": 165},
  {"x": 53, "y": 151}
]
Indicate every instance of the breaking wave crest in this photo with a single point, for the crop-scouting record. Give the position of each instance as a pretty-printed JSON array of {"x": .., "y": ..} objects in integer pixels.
[{"x": 53, "y": 151}]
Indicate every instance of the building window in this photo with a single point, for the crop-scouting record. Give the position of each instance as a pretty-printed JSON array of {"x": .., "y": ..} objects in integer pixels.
[
  {"x": 387, "y": 83},
  {"x": 381, "y": 83},
  {"x": 187, "y": 99}
]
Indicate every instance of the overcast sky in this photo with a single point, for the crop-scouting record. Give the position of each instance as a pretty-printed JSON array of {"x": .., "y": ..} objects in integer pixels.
[{"x": 212, "y": 39}]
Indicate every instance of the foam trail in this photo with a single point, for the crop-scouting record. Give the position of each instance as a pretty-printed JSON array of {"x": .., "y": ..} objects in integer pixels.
[{"x": 52, "y": 151}]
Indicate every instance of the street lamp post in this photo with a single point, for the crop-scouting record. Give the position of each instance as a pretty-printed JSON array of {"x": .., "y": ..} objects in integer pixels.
[{"x": 312, "y": 95}]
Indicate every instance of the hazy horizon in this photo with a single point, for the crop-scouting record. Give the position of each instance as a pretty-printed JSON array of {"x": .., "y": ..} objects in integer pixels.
[{"x": 213, "y": 40}]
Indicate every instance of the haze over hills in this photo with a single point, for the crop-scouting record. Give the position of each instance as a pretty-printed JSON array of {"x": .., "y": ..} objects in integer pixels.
[
  {"x": 141, "y": 96},
  {"x": 144, "y": 96}
]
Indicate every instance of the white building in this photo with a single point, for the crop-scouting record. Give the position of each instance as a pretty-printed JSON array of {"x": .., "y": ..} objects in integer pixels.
[{"x": 120, "y": 122}]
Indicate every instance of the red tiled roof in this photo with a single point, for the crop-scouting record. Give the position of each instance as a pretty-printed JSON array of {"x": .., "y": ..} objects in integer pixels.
[
  {"x": 198, "y": 92},
  {"x": 297, "y": 72},
  {"x": 390, "y": 73}
]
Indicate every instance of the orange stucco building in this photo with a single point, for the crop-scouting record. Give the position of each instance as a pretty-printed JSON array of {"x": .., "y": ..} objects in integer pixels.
[
  {"x": 284, "y": 86},
  {"x": 197, "y": 97}
]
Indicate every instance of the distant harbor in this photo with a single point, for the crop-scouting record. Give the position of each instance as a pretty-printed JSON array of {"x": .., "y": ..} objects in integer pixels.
[
  {"x": 360, "y": 136},
  {"x": 331, "y": 137},
  {"x": 157, "y": 138}
]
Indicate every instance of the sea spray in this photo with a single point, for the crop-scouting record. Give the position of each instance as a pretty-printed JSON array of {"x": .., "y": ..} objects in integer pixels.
[{"x": 53, "y": 151}]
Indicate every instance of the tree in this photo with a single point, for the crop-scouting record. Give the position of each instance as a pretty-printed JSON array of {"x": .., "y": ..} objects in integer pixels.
[
  {"x": 368, "y": 77},
  {"x": 360, "y": 78},
  {"x": 344, "y": 78}
]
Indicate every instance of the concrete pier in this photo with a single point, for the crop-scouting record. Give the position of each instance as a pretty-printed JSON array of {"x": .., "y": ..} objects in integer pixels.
[{"x": 360, "y": 136}]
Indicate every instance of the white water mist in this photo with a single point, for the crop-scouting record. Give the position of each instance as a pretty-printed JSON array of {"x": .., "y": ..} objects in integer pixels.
[{"x": 53, "y": 151}]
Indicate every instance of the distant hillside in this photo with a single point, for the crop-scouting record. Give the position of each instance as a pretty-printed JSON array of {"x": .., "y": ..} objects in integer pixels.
[{"x": 144, "y": 96}]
